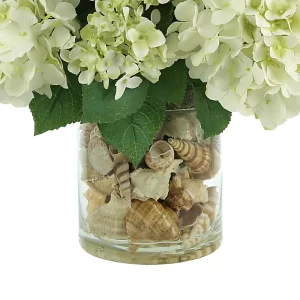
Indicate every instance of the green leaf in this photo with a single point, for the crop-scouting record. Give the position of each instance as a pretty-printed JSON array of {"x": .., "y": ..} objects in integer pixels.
[
  {"x": 134, "y": 134},
  {"x": 65, "y": 107},
  {"x": 213, "y": 117},
  {"x": 100, "y": 106},
  {"x": 172, "y": 84},
  {"x": 84, "y": 9}
]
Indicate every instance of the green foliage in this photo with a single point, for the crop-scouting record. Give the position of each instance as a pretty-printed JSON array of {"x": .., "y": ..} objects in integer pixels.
[
  {"x": 65, "y": 107},
  {"x": 213, "y": 117},
  {"x": 134, "y": 134},
  {"x": 100, "y": 106},
  {"x": 172, "y": 84},
  {"x": 167, "y": 16},
  {"x": 84, "y": 9}
]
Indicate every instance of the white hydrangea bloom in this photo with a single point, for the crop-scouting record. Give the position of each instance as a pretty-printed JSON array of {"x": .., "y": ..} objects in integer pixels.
[
  {"x": 118, "y": 43},
  {"x": 244, "y": 50},
  {"x": 31, "y": 34}
]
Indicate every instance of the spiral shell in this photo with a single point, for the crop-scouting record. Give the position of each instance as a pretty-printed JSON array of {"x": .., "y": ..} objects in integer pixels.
[
  {"x": 151, "y": 221},
  {"x": 178, "y": 198},
  {"x": 213, "y": 169},
  {"x": 99, "y": 157},
  {"x": 160, "y": 156},
  {"x": 197, "y": 157},
  {"x": 210, "y": 208},
  {"x": 109, "y": 220}
]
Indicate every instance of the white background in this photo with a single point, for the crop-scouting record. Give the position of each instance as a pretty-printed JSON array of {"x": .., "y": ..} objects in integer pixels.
[{"x": 40, "y": 257}]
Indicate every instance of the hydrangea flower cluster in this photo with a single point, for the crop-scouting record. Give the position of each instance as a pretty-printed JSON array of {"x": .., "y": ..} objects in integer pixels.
[
  {"x": 31, "y": 34},
  {"x": 247, "y": 51},
  {"x": 118, "y": 44}
]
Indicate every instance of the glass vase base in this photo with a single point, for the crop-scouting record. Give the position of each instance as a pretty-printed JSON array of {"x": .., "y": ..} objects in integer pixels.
[{"x": 148, "y": 258}]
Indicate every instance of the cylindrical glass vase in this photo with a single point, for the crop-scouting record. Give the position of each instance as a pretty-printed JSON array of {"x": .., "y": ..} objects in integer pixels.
[{"x": 166, "y": 210}]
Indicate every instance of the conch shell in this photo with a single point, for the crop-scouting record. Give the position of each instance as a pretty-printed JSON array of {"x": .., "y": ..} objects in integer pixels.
[
  {"x": 99, "y": 157},
  {"x": 150, "y": 221},
  {"x": 109, "y": 220},
  {"x": 185, "y": 192},
  {"x": 213, "y": 169},
  {"x": 189, "y": 218},
  {"x": 149, "y": 184},
  {"x": 103, "y": 184},
  {"x": 178, "y": 198},
  {"x": 183, "y": 126},
  {"x": 195, "y": 156},
  {"x": 122, "y": 172},
  {"x": 95, "y": 200},
  {"x": 160, "y": 156}
]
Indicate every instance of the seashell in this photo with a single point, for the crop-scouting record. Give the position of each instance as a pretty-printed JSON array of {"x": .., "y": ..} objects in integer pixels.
[
  {"x": 214, "y": 142},
  {"x": 184, "y": 126},
  {"x": 151, "y": 221},
  {"x": 195, "y": 188},
  {"x": 213, "y": 170},
  {"x": 189, "y": 218},
  {"x": 122, "y": 172},
  {"x": 210, "y": 208},
  {"x": 160, "y": 156},
  {"x": 85, "y": 131},
  {"x": 213, "y": 194},
  {"x": 95, "y": 132},
  {"x": 192, "y": 191},
  {"x": 150, "y": 184},
  {"x": 178, "y": 198},
  {"x": 99, "y": 157},
  {"x": 109, "y": 220},
  {"x": 95, "y": 200},
  {"x": 195, "y": 156},
  {"x": 194, "y": 235},
  {"x": 103, "y": 184}
]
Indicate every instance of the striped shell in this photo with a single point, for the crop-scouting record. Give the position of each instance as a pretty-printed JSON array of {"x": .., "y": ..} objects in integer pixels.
[
  {"x": 109, "y": 220},
  {"x": 160, "y": 156},
  {"x": 99, "y": 157},
  {"x": 122, "y": 172},
  {"x": 197, "y": 157},
  {"x": 213, "y": 170},
  {"x": 210, "y": 208},
  {"x": 151, "y": 222}
]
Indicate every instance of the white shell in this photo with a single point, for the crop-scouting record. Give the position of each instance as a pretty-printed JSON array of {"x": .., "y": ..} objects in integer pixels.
[
  {"x": 184, "y": 126},
  {"x": 149, "y": 184},
  {"x": 196, "y": 189},
  {"x": 99, "y": 156}
]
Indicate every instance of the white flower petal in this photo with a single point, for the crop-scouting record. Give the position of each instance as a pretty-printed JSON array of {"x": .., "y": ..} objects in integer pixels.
[
  {"x": 134, "y": 82},
  {"x": 155, "y": 38},
  {"x": 52, "y": 75}
]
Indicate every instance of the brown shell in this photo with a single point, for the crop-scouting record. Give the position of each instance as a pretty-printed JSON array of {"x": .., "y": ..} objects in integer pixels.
[
  {"x": 213, "y": 170},
  {"x": 109, "y": 220},
  {"x": 195, "y": 156},
  {"x": 95, "y": 200},
  {"x": 178, "y": 198},
  {"x": 151, "y": 221},
  {"x": 160, "y": 156},
  {"x": 189, "y": 218},
  {"x": 99, "y": 157}
]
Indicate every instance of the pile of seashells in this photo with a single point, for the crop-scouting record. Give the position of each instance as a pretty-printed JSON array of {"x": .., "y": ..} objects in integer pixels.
[{"x": 164, "y": 198}]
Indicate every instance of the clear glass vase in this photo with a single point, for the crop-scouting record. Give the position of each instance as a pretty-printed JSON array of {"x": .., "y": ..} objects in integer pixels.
[{"x": 167, "y": 210}]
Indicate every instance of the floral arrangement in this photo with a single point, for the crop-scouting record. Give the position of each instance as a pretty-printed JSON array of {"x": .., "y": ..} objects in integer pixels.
[{"x": 121, "y": 63}]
